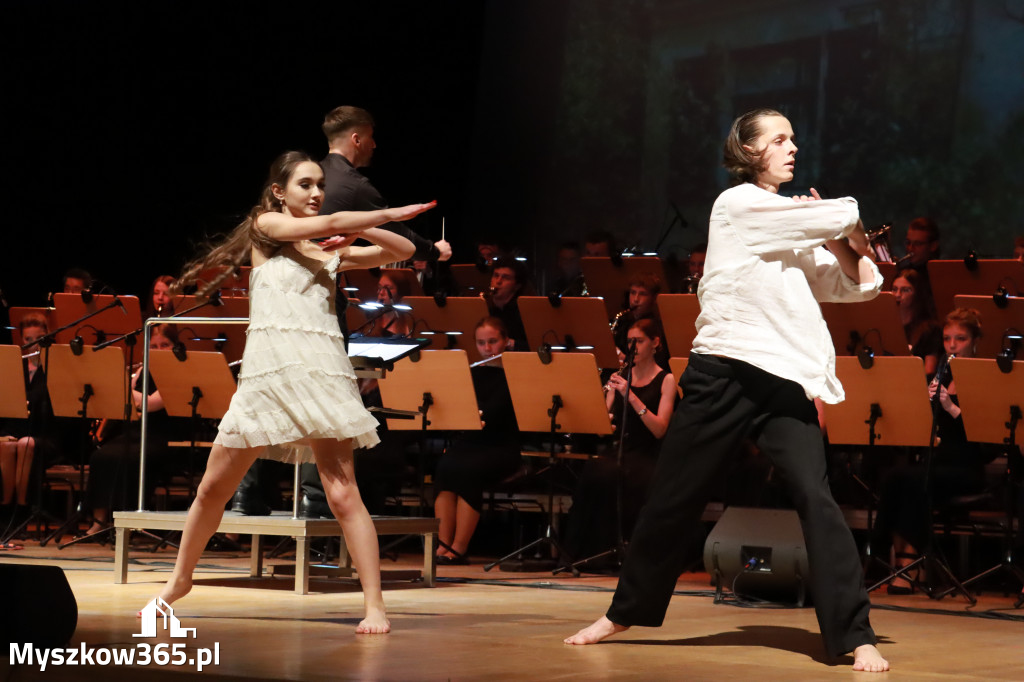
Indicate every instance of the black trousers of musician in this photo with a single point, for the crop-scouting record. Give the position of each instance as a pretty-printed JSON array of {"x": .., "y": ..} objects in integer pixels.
[{"x": 725, "y": 401}]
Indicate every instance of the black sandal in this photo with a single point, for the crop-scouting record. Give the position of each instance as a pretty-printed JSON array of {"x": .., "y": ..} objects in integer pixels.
[{"x": 900, "y": 590}]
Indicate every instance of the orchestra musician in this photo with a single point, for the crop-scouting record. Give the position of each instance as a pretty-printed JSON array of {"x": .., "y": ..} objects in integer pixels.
[
  {"x": 477, "y": 460},
  {"x": 652, "y": 397},
  {"x": 956, "y": 467},
  {"x": 24, "y": 436}
]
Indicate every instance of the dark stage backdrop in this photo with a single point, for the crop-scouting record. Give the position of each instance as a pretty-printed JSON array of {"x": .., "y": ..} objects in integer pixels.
[
  {"x": 617, "y": 109},
  {"x": 130, "y": 130}
]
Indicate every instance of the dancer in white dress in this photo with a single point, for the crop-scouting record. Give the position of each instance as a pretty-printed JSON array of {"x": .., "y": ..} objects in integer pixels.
[{"x": 296, "y": 397}]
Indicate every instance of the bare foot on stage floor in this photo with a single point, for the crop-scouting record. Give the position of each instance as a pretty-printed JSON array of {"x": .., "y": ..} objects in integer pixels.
[
  {"x": 867, "y": 659},
  {"x": 598, "y": 630},
  {"x": 375, "y": 623},
  {"x": 175, "y": 589}
]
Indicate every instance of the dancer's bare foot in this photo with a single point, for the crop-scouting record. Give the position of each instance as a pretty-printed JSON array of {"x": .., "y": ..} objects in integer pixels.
[
  {"x": 867, "y": 659},
  {"x": 595, "y": 632},
  {"x": 375, "y": 623},
  {"x": 176, "y": 588}
]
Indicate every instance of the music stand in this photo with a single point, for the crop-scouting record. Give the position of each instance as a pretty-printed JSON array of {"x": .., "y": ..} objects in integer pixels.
[
  {"x": 897, "y": 387},
  {"x": 569, "y": 324},
  {"x": 991, "y": 403},
  {"x": 678, "y": 313},
  {"x": 471, "y": 279},
  {"x": 608, "y": 278},
  {"x": 888, "y": 272},
  {"x": 198, "y": 387},
  {"x": 678, "y": 366},
  {"x": 560, "y": 396},
  {"x": 110, "y": 322},
  {"x": 90, "y": 386},
  {"x": 996, "y": 317},
  {"x": 872, "y": 325},
  {"x": 13, "y": 400},
  {"x": 887, "y": 404},
  {"x": 449, "y": 326},
  {"x": 951, "y": 277},
  {"x": 355, "y": 317},
  {"x": 211, "y": 337},
  {"x": 439, "y": 387}
]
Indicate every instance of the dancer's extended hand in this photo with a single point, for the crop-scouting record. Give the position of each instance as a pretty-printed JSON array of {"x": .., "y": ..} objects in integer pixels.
[
  {"x": 339, "y": 241},
  {"x": 410, "y": 211}
]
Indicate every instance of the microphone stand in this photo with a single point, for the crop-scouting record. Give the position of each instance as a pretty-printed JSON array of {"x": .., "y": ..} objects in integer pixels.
[
  {"x": 38, "y": 513},
  {"x": 931, "y": 556},
  {"x": 678, "y": 218},
  {"x": 618, "y": 551},
  {"x": 48, "y": 339},
  {"x": 382, "y": 310}
]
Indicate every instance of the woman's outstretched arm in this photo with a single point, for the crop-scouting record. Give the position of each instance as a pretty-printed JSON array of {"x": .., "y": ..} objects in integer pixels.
[
  {"x": 388, "y": 247},
  {"x": 287, "y": 228}
]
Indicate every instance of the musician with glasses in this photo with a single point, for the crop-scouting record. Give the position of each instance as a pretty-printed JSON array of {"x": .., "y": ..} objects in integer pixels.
[{"x": 922, "y": 245}]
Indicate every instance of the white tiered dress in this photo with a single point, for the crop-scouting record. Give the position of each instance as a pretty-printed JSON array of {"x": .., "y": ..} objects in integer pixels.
[{"x": 296, "y": 382}]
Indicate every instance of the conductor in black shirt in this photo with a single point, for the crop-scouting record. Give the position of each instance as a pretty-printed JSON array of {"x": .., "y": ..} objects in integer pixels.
[{"x": 350, "y": 145}]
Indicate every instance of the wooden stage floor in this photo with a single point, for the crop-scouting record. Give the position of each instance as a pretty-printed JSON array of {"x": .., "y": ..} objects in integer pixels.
[{"x": 500, "y": 626}]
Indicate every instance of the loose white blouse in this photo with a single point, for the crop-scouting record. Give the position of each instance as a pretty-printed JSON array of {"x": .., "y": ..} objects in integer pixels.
[{"x": 765, "y": 273}]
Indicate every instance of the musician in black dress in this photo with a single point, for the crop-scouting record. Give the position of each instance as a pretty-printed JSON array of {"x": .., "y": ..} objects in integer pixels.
[
  {"x": 477, "y": 460},
  {"x": 957, "y": 465},
  {"x": 24, "y": 436},
  {"x": 593, "y": 518}
]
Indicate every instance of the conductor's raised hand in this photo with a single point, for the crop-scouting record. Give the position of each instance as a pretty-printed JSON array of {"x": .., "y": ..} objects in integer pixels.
[{"x": 411, "y": 211}]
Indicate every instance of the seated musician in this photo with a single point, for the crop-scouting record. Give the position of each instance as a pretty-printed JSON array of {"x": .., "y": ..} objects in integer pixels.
[
  {"x": 924, "y": 335},
  {"x": 391, "y": 289},
  {"x": 24, "y": 436},
  {"x": 957, "y": 466},
  {"x": 508, "y": 277},
  {"x": 641, "y": 296},
  {"x": 652, "y": 398},
  {"x": 567, "y": 278},
  {"x": 695, "y": 268},
  {"x": 477, "y": 460},
  {"x": 159, "y": 303},
  {"x": 114, "y": 466}
]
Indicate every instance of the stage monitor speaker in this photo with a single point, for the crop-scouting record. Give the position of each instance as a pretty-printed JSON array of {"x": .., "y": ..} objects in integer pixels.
[
  {"x": 39, "y": 606},
  {"x": 758, "y": 553}
]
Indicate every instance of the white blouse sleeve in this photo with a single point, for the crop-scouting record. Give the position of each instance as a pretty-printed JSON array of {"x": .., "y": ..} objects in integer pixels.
[
  {"x": 830, "y": 284},
  {"x": 767, "y": 223}
]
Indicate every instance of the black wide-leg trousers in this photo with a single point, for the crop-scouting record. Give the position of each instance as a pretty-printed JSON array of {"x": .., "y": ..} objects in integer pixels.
[{"x": 724, "y": 401}]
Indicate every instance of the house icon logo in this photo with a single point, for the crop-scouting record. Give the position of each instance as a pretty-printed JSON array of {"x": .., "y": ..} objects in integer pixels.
[{"x": 153, "y": 612}]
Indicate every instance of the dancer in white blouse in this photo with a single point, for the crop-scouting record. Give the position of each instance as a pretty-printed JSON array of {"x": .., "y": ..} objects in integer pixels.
[{"x": 761, "y": 355}]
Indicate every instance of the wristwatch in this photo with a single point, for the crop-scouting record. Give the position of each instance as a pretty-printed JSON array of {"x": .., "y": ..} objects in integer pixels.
[{"x": 642, "y": 412}]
